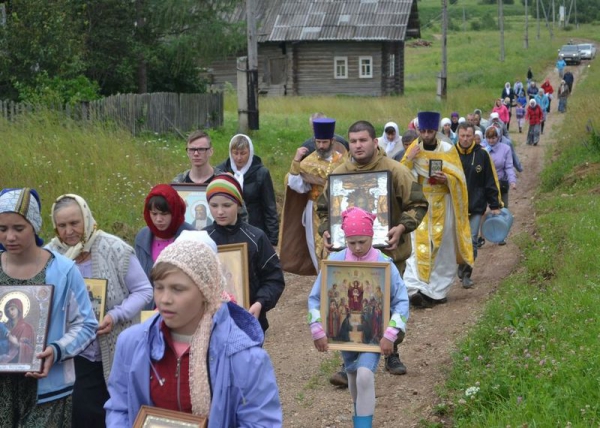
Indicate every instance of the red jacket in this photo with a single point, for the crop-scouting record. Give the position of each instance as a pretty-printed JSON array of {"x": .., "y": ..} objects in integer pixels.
[
  {"x": 534, "y": 115},
  {"x": 547, "y": 87},
  {"x": 174, "y": 393}
]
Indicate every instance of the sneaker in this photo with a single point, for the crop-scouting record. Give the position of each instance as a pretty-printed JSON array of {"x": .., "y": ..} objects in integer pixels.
[
  {"x": 339, "y": 379},
  {"x": 467, "y": 282},
  {"x": 394, "y": 365},
  {"x": 480, "y": 242},
  {"x": 503, "y": 242}
]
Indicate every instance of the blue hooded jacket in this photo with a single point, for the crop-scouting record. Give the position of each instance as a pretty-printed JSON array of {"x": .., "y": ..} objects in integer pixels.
[{"x": 243, "y": 386}]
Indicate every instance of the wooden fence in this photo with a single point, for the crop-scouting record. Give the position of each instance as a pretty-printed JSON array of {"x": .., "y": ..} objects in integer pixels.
[{"x": 160, "y": 112}]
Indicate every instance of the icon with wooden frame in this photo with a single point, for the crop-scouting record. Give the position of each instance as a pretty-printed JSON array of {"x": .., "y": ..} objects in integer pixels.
[
  {"x": 25, "y": 316},
  {"x": 197, "y": 212},
  {"x": 234, "y": 265},
  {"x": 355, "y": 304},
  {"x": 367, "y": 190},
  {"x": 435, "y": 166},
  {"x": 155, "y": 417},
  {"x": 96, "y": 288}
]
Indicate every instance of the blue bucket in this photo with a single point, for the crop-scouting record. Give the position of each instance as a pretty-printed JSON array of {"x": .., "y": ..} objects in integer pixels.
[{"x": 495, "y": 228}]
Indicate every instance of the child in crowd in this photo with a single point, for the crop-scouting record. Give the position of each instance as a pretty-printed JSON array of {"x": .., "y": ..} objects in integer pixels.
[
  {"x": 164, "y": 212},
  {"x": 357, "y": 225},
  {"x": 520, "y": 112},
  {"x": 224, "y": 195},
  {"x": 199, "y": 354}
]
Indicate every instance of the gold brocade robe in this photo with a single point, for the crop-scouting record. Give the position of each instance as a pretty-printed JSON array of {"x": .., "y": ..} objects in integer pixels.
[
  {"x": 428, "y": 236},
  {"x": 293, "y": 247}
]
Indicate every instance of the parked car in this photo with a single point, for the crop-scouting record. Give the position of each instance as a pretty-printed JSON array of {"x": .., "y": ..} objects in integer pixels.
[
  {"x": 587, "y": 50},
  {"x": 570, "y": 53}
]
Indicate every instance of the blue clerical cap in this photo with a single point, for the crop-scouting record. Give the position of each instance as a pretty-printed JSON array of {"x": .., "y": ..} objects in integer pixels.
[
  {"x": 324, "y": 128},
  {"x": 429, "y": 120}
]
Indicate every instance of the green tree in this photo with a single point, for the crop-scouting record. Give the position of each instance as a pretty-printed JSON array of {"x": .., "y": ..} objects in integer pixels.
[
  {"x": 173, "y": 39},
  {"x": 40, "y": 36}
]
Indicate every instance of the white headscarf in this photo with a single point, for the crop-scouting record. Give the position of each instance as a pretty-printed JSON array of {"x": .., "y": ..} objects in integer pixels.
[
  {"x": 387, "y": 144},
  {"x": 90, "y": 230},
  {"x": 239, "y": 173}
]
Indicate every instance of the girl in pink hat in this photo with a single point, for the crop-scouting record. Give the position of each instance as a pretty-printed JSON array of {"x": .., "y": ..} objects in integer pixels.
[{"x": 357, "y": 225}]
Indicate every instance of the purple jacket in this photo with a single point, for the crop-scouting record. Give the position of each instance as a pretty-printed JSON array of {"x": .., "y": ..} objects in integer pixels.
[
  {"x": 242, "y": 380},
  {"x": 501, "y": 155}
]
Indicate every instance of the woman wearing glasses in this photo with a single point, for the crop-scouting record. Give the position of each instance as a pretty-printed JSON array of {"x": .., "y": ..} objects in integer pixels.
[{"x": 199, "y": 151}]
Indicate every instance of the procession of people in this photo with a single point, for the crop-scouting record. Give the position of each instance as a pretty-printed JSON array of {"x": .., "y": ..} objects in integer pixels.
[{"x": 438, "y": 182}]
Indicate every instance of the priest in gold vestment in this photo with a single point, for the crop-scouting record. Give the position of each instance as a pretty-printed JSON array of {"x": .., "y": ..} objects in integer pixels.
[
  {"x": 301, "y": 247},
  {"x": 443, "y": 239}
]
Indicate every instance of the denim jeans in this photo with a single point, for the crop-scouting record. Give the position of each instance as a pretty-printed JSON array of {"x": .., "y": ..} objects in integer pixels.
[{"x": 475, "y": 222}]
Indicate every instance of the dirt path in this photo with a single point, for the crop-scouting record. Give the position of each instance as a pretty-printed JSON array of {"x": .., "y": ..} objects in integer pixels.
[{"x": 402, "y": 401}]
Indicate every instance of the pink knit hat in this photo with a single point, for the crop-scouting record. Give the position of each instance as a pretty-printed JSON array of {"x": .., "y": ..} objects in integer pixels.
[{"x": 357, "y": 222}]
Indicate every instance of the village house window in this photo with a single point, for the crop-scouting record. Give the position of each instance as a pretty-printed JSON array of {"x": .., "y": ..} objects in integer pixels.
[
  {"x": 340, "y": 64},
  {"x": 365, "y": 67},
  {"x": 392, "y": 63}
]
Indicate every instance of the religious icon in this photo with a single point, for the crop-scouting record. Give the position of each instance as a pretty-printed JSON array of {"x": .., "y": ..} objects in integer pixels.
[
  {"x": 355, "y": 304},
  {"x": 24, "y": 316}
]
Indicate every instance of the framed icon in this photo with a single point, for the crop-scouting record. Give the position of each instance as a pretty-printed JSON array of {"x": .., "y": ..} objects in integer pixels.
[
  {"x": 355, "y": 304},
  {"x": 367, "y": 190},
  {"x": 144, "y": 315},
  {"x": 155, "y": 417},
  {"x": 96, "y": 288},
  {"x": 435, "y": 165},
  {"x": 24, "y": 317},
  {"x": 234, "y": 264},
  {"x": 196, "y": 212}
]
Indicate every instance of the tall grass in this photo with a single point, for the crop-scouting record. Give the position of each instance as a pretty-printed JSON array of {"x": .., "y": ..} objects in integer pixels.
[{"x": 532, "y": 360}]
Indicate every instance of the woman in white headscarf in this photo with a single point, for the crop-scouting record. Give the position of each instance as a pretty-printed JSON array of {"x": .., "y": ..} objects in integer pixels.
[
  {"x": 98, "y": 254},
  {"x": 447, "y": 130},
  {"x": 257, "y": 185},
  {"x": 390, "y": 140}
]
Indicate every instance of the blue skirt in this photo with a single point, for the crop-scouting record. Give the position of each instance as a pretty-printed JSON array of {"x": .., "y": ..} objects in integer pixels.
[{"x": 354, "y": 360}]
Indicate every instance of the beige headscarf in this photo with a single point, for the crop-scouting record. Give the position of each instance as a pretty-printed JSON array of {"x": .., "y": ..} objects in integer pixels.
[
  {"x": 90, "y": 231},
  {"x": 194, "y": 256}
]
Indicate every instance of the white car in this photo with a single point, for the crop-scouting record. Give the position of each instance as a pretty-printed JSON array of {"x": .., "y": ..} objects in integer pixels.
[{"x": 587, "y": 50}]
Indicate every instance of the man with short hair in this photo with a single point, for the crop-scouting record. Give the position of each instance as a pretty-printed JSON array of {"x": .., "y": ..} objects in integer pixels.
[
  {"x": 408, "y": 137},
  {"x": 482, "y": 186},
  {"x": 443, "y": 240},
  {"x": 301, "y": 247},
  {"x": 569, "y": 79},
  {"x": 408, "y": 204},
  {"x": 199, "y": 151}
]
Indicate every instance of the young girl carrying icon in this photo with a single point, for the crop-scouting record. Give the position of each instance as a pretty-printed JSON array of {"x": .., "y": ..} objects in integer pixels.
[{"x": 357, "y": 225}]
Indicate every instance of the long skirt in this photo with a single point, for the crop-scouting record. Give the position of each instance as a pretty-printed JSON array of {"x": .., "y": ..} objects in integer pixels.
[
  {"x": 19, "y": 408},
  {"x": 562, "y": 105}
]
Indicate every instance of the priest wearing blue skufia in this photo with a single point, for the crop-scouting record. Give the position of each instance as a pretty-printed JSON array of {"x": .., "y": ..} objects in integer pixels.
[
  {"x": 301, "y": 247},
  {"x": 443, "y": 239}
]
